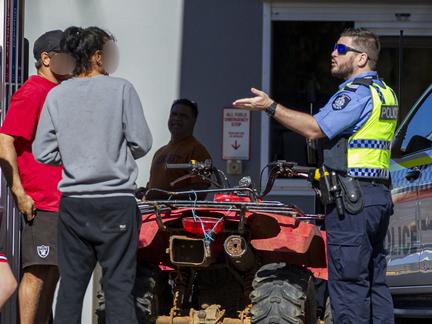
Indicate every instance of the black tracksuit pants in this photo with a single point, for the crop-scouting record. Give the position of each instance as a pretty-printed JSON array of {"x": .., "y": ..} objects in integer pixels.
[{"x": 103, "y": 230}]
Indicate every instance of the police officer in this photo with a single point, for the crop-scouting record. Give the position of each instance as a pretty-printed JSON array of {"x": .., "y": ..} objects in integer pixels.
[{"x": 358, "y": 125}]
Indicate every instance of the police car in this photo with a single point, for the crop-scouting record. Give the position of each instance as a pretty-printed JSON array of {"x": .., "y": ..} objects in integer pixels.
[{"x": 409, "y": 238}]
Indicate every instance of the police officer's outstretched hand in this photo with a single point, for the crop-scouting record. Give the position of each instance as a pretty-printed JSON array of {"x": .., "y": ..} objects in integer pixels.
[{"x": 261, "y": 102}]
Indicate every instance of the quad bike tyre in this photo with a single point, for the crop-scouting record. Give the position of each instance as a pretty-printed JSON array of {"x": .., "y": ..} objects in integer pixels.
[
  {"x": 283, "y": 294},
  {"x": 149, "y": 287},
  {"x": 153, "y": 295},
  {"x": 328, "y": 319}
]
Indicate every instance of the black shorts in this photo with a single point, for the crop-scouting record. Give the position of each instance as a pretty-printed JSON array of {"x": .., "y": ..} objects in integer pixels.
[{"x": 39, "y": 240}]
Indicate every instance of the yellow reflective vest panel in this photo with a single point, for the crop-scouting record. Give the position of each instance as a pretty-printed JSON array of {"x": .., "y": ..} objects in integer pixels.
[{"x": 368, "y": 150}]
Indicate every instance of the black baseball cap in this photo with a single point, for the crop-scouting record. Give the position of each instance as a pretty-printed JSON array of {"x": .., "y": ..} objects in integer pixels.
[{"x": 48, "y": 42}]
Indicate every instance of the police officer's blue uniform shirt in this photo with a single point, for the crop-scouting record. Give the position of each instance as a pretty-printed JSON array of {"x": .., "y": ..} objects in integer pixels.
[{"x": 348, "y": 109}]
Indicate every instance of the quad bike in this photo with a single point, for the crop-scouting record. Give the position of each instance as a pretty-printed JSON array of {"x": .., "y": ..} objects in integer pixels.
[{"x": 233, "y": 259}]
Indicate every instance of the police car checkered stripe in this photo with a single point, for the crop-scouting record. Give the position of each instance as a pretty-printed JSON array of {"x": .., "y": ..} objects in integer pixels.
[
  {"x": 368, "y": 143},
  {"x": 368, "y": 173}
]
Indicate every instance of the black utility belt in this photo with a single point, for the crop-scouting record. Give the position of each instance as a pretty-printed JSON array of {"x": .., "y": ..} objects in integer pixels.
[
  {"x": 343, "y": 191},
  {"x": 346, "y": 192},
  {"x": 367, "y": 182}
]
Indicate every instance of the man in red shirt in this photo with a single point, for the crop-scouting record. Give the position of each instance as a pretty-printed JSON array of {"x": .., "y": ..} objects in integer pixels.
[{"x": 34, "y": 185}]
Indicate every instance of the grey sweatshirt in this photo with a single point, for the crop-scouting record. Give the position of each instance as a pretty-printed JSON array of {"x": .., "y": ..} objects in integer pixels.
[{"x": 95, "y": 127}]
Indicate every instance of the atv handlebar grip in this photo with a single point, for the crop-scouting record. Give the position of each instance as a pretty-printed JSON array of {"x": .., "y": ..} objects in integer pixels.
[
  {"x": 303, "y": 169},
  {"x": 183, "y": 166}
]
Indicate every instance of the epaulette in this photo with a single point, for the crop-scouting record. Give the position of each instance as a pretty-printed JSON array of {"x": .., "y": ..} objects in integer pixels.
[
  {"x": 351, "y": 87},
  {"x": 367, "y": 82},
  {"x": 363, "y": 81}
]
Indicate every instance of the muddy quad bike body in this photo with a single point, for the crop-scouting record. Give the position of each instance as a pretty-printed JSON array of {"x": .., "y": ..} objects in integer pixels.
[{"x": 232, "y": 259}]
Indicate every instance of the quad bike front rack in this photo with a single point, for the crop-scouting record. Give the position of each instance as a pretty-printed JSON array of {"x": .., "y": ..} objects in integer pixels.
[{"x": 163, "y": 206}]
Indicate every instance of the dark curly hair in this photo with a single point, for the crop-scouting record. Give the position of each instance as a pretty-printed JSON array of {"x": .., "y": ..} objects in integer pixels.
[{"x": 82, "y": 44}]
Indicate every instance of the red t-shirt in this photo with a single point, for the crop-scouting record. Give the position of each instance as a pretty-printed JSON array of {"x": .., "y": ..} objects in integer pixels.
[{"x": 39, "y": 180}]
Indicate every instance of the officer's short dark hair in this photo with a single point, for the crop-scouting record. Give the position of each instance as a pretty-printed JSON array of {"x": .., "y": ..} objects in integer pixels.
[
  {"x": 191, "y": 104},
  {"x": 366, "y": 41}
]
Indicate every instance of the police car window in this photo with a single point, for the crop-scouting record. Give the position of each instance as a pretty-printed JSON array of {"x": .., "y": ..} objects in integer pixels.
[{"x": 420, "y": 124}]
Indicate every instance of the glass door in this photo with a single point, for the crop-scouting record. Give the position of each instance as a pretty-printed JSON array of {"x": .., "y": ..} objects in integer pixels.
[{"x": 416, "y": 68}]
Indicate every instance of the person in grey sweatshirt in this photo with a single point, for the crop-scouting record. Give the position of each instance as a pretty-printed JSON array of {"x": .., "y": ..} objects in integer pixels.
[{"x": 94, "y": 126}]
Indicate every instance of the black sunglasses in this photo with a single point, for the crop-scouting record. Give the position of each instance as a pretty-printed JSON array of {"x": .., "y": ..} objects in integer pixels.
[{"x": 343, "y": 49}]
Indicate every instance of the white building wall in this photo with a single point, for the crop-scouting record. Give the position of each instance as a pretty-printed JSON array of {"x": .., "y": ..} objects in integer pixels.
[{"x": 148, "y": 33}]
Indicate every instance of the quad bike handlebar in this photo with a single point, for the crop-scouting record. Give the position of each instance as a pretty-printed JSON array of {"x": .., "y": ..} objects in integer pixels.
[
  {"x": 286, "y": 169},
  {"x": 205, "y": 170},
  {"x": 193, "y": 165},
  {"x": 239, "y": 198},
  {"x": 179, "y": 166},
  {"x": 292, "y": 169}
]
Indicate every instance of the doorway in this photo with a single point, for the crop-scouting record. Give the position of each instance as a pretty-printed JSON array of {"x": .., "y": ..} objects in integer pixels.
[
  {"x": 416, "y": 68},
  {"x": 300, "y": 77}
]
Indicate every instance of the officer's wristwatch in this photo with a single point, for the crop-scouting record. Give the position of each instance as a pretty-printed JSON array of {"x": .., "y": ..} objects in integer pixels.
[{"x": 272, "y": 109}]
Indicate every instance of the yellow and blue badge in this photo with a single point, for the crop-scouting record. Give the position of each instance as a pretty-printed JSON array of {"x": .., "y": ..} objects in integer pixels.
[{"x": 340, "y": 102}]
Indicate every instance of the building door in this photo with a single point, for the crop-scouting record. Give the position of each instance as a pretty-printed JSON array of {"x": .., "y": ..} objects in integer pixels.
[
  {"x": 300, "y": 77},
  {"x": 415, "y": 67}
]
